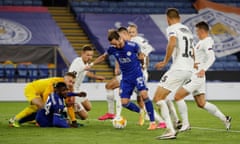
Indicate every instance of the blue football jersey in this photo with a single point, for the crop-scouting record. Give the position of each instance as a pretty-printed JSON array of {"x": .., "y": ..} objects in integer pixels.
[
  {"x": 127, "y": 58},
  {"x": 51, "y": 114}
]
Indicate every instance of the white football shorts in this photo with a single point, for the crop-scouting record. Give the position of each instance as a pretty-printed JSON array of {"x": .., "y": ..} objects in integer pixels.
[{"x": 173, "y": 79}]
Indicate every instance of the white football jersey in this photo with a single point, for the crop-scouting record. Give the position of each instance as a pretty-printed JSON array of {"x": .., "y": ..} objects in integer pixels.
[
  {"x": 183, "y": 52},
  {"x": 204, "y": 53},
  {"x": 144, "y": 46},
  {"x": 79, "y": 67}
]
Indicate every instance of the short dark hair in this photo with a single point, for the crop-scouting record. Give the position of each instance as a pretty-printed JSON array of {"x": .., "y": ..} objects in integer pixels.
[
  {"x": 60, "y": 85},
  {"x": 202, "y": 25},
  {"x": 172, "y": 13},
  {"x": 113, "y": 34},
  {"x": 121, "y": 29},
  {"x": 71, "y": 74},
  {"x": 87, "y": 48}
]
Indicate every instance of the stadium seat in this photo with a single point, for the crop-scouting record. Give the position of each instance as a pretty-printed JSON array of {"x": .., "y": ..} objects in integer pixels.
[
  {"x": 2, "y": 73},
  {"x": 217, "y": 66},
  {"x": 10, "y": 72},
  {"x": 43, "y": 71},
  {"x": 22, "y": 71},
  {"x": 32, "y": 72}
]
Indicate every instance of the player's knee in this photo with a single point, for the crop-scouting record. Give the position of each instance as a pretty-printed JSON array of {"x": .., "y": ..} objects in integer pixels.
[{"x": 88, "y": 107}]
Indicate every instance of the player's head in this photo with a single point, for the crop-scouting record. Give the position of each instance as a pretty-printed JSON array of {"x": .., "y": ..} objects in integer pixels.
[
  {"x": 172, "y": 16},
  {"x": 115, "y": 39},
  {"x": 87, "y": 54},
  {"x": 123, "y": 32},
  {"x": 132, "y": 30},
  {"x": 202, "y": 29},
  {"x": 61, "y": 89},
  {"x": 69, "y": 79}
]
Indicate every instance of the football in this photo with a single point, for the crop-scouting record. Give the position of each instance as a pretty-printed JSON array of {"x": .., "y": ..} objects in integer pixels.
[{"x": 119, "y": 122}]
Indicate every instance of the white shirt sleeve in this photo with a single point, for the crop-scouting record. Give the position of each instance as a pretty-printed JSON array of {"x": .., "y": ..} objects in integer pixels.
[
  {"x": 145, "y": 47},
  {"x": 208, "y": 47}
]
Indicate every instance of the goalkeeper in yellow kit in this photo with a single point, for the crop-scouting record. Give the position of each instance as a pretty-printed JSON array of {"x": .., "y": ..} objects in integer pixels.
[{"x": 37, "y": 93}]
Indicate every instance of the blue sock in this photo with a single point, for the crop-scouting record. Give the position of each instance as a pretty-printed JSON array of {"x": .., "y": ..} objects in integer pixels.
[
  {"x": 149, "y": 108},
  {"x": 132, "y": 107}
]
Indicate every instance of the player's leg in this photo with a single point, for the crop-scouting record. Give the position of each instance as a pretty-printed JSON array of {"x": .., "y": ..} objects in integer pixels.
[
  {"x": 35, "y": 101},
  {"x": 141, "y": 105},
  {"x": 159, "y": 98},
  {"x": 182, "y": 108},
  {"x": 173, "y": 114},
  {"x": 212, "y": 109},
  {"x": 149, "y": 108},
  {"x": 118, "y": 105},
  {"x": 169, "y": 82},
  {"x": 110, "y": 86},
  {"x": 15, "y": 122},
  {"x": 126, "y": 90},
  {"x": 83, "y": 109}
]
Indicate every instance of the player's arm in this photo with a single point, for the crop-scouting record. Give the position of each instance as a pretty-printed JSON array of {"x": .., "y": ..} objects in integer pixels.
[
  {"x": 99, "y": 59},
  {"x": 92, "y": 75},
  {"x": 169, "y": 50},
  {"x": 211, "y": 58}
]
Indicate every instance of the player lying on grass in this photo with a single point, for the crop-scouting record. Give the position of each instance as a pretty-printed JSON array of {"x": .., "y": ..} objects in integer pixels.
[
  {"x": 36, "y": 93},
  {"x": 52, "y": 114}
]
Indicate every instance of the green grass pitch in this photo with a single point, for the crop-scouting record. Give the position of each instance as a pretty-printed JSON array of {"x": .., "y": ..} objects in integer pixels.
[{"x": 206, "y": 129}]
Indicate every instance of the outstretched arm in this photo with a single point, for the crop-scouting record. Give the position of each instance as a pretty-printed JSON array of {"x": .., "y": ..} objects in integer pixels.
[
  {"x": 170, "y": 47},
  {"x": 99, "y": 59}
]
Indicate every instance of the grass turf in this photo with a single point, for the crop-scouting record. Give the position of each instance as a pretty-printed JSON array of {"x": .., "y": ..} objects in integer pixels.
[{"x": 205, "y": 128}]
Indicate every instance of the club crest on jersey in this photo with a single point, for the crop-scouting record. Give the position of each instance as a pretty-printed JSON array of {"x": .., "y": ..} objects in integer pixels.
[
  {"x": 224, "y": 30},
  {"x": 129, "y": 53},
  {"x": 13, "y": 33}
]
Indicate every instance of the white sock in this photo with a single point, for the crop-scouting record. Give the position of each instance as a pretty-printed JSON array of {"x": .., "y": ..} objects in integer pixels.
[
  {"x": 165, "y": 113},
  {"x": 183, "y": 110},
  {"x": 110, "y": 101},
  {"x": 118, "y": 106},
  {"x": 211, "y": 108},
  {"x": 158, "y": 118},
  {"x": 172, "y": 111}
]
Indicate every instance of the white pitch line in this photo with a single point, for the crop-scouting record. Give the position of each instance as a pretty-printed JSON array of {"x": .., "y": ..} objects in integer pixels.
[{"x": 213, "y": 129}]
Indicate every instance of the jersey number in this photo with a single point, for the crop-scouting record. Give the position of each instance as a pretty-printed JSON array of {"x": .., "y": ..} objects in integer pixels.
[{"x": 188, "y": 47}]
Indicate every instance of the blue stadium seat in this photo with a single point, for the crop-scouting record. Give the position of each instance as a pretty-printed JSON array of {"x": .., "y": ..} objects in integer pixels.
[
  {"x": 22, "y": 71},
  {"x": 27, "y": 2},
  {"x": 217, "y": 66},
  {"x": 37, "y": 3},
  {"x": 17, "y": 2},
  {"x": 32, "y": 72},
  {"x": 220, "y": 59},
  {"x": 231, "y": 58},
  {"x": 10, "y": 72},
  {"x": 43, "y": 70},
  {"x": 8, "y": 2},
  {"x": 232, "y": 66},
  {"x": 2, "y": 73}
]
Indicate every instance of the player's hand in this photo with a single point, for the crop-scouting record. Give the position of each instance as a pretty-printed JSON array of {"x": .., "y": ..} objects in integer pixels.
[
  {"x": 201, "y": 73},
  {"x": 160, "y": 65},
  {"x": 87, "y": 68},
  {"x": 196, "y": 65},
  {"x": 82, "y": 94}
]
